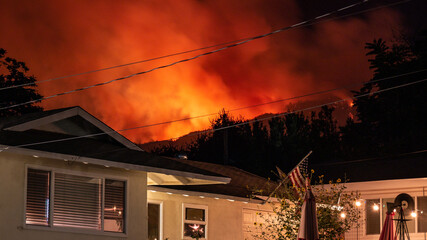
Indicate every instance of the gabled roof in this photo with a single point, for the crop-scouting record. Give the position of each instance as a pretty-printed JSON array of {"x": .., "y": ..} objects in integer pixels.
[
  {"x": 25, "y": 133},
  {"x": 72, "y": 121},
  {"x": 241, "y": 186}
]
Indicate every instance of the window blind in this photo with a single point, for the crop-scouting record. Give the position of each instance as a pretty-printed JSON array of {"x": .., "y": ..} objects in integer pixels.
[
  {"x": 114, "y": 205},
  {"x": 77, "y": 201},
  {"x": 38, "y": 191}
]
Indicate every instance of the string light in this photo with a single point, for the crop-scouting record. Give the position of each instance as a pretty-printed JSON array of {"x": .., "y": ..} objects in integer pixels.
[{"x": 376, "y": 207}]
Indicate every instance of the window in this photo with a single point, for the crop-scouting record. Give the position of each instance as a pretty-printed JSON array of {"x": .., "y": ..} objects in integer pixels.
[
  {"x": 154, "y": 221},
  {"x": 372, "y": 216},
  {"x": 195, "y": 221},
  {"x": 422, "y": 214},
  {"x": 376, "y": 210},
  {"x": 56, "y": 199}
]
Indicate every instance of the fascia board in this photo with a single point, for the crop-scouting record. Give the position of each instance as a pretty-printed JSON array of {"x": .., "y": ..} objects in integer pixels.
[
  {"x": 205, "y": 194},
  {"x": 101, "y": 162}
]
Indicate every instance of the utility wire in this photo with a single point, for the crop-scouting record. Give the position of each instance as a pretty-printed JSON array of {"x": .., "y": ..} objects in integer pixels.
[
  {"x": 123, "y": 65},
  {"x": 305, "y": 109},
  {"x": 145, "y": 60},
  {"x": 222, "y": 128},
  {"x": 301, "y": 24}
]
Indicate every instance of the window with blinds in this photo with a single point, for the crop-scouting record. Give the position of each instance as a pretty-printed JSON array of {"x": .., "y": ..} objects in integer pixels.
[
  {"x": 72, "y": 201},
  {"x": 114, "y": 205},
  {"x": 77, "y": 201},
  {"x": 38, "y": 191}
]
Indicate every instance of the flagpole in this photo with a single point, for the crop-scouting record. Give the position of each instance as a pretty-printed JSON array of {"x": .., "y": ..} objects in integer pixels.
[{"x": 286, "y": 177}]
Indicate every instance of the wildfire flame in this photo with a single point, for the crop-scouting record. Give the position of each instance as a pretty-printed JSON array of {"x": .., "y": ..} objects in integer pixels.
[{"x": 54, "y": 42}]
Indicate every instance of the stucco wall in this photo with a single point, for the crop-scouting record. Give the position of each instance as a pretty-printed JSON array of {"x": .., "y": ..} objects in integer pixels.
[
  {"x": 12, "y": 184},
  {"x": 225, "y": 218}
]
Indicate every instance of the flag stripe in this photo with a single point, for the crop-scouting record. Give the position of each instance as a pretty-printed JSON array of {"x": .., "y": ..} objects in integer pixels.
[{"x": 300, "y": 178}]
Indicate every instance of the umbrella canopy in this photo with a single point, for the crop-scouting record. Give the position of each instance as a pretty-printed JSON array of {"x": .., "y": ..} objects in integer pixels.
[
  {"x": 308, "y": 226},
  {"x": 388, "y": 229}
]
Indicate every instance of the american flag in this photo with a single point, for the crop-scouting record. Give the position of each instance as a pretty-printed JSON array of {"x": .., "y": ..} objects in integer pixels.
[{"x": 297, "y": 175}]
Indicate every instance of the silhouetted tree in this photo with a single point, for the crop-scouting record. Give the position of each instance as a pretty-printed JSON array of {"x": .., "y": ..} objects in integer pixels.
[
  {"x": 14, "y": 72},
  {"x": 392, "y": 121}
]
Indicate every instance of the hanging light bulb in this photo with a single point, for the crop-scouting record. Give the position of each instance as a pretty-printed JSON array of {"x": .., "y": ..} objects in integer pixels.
[{"x": 376, "y": 207}]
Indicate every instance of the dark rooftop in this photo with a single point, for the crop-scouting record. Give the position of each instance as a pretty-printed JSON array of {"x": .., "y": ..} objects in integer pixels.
[{"x": 242, "y": 183}]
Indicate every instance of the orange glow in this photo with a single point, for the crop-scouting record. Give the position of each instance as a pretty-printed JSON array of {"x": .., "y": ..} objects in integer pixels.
[{"x": 57, "y": 38}]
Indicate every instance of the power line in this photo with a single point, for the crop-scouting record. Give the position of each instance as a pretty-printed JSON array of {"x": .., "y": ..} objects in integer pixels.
[
  {"x": 157, "y": 58},
  {"x": 301, "y": 24},
  {"x": 306, "y": 109},
  {"x": 123, "y": 65},
  {"x": 222, "y": 128}
]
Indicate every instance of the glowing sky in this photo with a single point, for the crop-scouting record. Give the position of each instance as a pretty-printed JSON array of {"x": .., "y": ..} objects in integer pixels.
[{"x": 58, "y": 38}]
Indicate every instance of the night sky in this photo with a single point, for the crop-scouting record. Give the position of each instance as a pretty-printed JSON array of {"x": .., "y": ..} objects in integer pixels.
[{"x": 58, "y": 38}]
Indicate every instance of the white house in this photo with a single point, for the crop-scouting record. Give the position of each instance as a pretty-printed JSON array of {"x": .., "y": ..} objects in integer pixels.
[
  {"x": 66, "y": 175},
  {"x": 380, "y": 181},
  {"x": 220, "y": 211}
]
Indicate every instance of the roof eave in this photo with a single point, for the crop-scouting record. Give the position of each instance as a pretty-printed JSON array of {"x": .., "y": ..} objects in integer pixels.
[{"x": 206, "y": 179}]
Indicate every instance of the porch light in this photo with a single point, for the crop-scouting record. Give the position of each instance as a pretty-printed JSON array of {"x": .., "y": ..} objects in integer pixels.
[{"x": 376, "y": 207}]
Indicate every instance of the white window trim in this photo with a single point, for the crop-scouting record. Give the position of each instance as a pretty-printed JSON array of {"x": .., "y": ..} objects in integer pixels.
[
  {"x": 412, "y": 234},
  {"x": 204, "y": 207},
  {"x": 160, "y": 203},
  {"x": 52, "y": 228}
]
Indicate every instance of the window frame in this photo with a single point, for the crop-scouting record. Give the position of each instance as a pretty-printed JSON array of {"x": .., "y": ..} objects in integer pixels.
[
  {"x": 160, "y": 203},
  {"x": 416, "y": 219},
  {"x": 196, "y": 206},
  {"x": 50, "y": 227}
]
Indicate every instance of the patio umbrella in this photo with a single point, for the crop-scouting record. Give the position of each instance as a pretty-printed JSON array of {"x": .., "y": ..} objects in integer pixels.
[
  {"x": 388, "y": 229},
  {"x": 308, "y": 225}
]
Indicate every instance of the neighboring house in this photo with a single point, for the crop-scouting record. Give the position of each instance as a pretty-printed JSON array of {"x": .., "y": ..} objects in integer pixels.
[
  {"x": 380, "y": 181},
  {"x": 91, "y": 186},
  {"x": 221, "y": 211}
]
